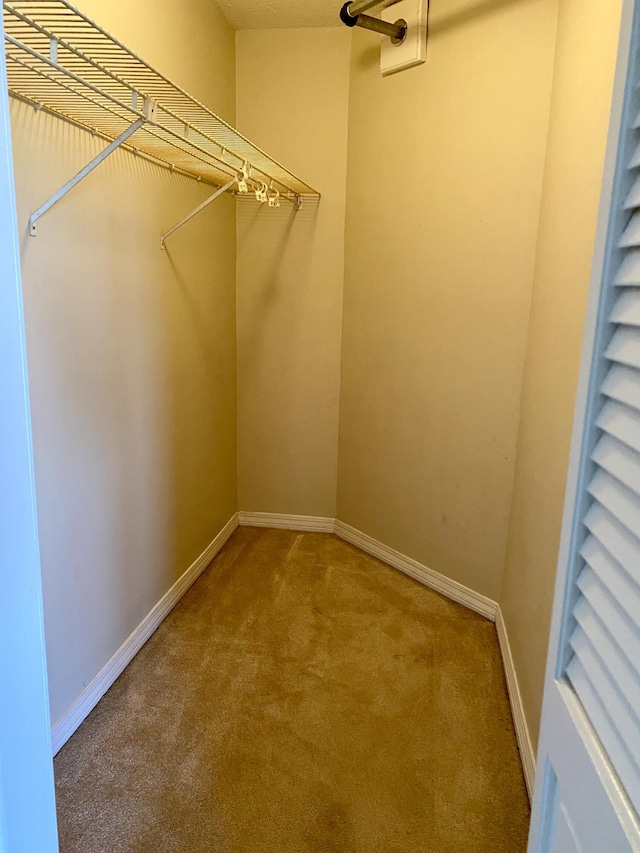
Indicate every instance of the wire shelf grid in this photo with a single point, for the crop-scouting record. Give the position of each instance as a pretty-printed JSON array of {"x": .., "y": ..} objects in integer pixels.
[{"x": 60, "y": 59}]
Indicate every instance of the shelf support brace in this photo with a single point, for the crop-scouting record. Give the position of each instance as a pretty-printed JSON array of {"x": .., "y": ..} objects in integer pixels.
[
  {"x": 200, "y": 207},
  {"x": 33, "y": 228}
]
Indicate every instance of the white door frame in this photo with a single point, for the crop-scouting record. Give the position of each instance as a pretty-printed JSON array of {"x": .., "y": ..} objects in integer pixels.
[{"x": 27, "y": 802}]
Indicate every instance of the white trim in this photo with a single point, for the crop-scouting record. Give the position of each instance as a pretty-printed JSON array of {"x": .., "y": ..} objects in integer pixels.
[
  {"x": 527, "y": 752},
  {"x": 282, "y": 521},
  {"x": 91, "y": 695},
  {"x": 452, "y": 589},
  {"x": 27, "y": 797}
]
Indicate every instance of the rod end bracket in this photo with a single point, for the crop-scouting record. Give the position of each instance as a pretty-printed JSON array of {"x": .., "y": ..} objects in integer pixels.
[{"x": 346, "y": 17}]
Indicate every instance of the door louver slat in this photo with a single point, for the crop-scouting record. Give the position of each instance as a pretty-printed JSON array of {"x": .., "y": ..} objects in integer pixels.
[
  {"x": 629, "y": 272},
  {"x": 604, "y": 661},
  {"x": 620, "y": 384},
  {"x": 615, "y": 747},
  {"x": 612, "y": 575},
  {"x": 612, "y": 657},
  {"x": 621, "y": 422},
  {"x": 621, "y": 715},
  {"x": 631, "y": 234}
]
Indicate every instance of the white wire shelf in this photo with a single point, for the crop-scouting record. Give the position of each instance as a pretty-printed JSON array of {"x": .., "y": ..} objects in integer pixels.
[{"x": 60, "y": 60}]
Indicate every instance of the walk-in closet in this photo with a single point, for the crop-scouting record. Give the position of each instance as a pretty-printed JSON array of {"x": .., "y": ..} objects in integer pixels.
[{"x": 313, "y": 306}]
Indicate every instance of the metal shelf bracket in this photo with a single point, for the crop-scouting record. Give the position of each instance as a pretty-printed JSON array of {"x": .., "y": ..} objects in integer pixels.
[
  {"x": 61, "y": 193},
  {"x": 200, "y": 207}
]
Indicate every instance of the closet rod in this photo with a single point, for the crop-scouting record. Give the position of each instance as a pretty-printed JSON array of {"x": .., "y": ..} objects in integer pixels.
[
  {"x": 396, "y": 31},
  {"x": 356, "y": 6}
]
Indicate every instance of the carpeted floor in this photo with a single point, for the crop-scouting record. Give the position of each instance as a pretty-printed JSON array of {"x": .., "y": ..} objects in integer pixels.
[{"x": 301, "y": 697}]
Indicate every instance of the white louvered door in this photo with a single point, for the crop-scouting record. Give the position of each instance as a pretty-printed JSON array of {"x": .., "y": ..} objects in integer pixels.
[{"x": 587, "y": 794}]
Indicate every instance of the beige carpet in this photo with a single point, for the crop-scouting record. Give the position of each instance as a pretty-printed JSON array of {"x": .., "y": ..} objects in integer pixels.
[{"x": 301, "y": 697}]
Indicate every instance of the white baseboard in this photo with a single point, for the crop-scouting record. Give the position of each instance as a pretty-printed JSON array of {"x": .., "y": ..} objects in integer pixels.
[
  {"x": 452, "y": 589},
  {"x": 527, "y": 754},
  {"x": 281, "y": 521},
  {"x": 91, "y": 695}
]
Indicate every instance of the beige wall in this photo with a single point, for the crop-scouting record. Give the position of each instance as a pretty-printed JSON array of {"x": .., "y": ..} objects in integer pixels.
[
  {"x": 131, "y": 355},
  {"x": 444, "y": 182},
  {"x": 583, "y": 78},
  {"x": 292, "y": 96}
]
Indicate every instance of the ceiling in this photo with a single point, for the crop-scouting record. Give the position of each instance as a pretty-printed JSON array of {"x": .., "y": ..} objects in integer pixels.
[{"x": 272, "y": 14}]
